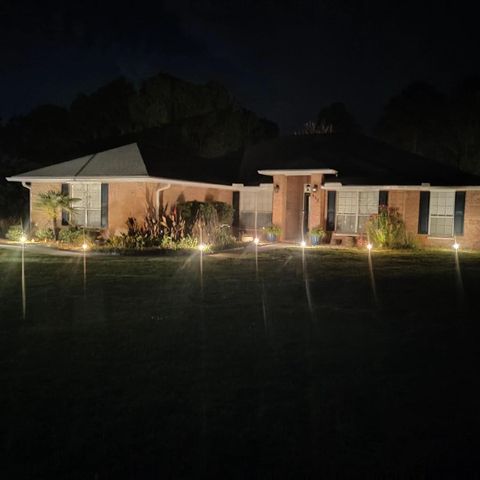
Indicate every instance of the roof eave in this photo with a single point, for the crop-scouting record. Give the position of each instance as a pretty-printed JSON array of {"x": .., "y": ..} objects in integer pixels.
[{"x": 120, "y": 179}]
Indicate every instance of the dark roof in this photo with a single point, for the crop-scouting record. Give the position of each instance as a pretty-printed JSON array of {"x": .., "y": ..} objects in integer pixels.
[
  {"x": 143, "y": 159},
  {"x": 175, "y": 165},
  {"x": 359, "y": 160}
]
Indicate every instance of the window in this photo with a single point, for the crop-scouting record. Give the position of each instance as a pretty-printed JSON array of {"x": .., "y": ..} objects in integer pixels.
[
  {"x": 88, "y": 209},
  {"x": 354, "y": 209},
  {"x": 442, "y": 208},
  {"x": 263, "y": 199}
]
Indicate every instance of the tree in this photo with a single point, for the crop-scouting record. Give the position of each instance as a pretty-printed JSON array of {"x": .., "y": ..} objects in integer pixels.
[
  {"x": 53, "y": 202},
  {"x": 462, "y": 137},
  {"x": 413, "y": 119},
  {"x": 336, "y": 118}
]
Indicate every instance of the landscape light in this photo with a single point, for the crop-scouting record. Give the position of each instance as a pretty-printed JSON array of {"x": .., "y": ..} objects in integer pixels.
[
  {"x": 85, "y": 247},
  {"x": 456, "y": 246},
  {"x": 256, "y": 240},
  {"x": 202, "y": 247},
  {"x": 303, "y": 243},
  {"x": 369, "y": 246},
  {"x": 23, "y": 239}
]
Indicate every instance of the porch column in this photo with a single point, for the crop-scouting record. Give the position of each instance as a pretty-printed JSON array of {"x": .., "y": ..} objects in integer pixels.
[
  {"x": 279, "y": 207},
  {"x": 317, "y": 202}
]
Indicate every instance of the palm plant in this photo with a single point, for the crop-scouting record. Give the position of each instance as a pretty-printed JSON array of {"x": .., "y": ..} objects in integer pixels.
[{"x": 52, "y": 203}]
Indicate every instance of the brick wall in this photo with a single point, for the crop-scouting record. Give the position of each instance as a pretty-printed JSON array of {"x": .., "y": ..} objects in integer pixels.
[
  {"x": 132, "y": 199},
  {"x": 38, "y": 217},
  {"x": 408, "y": 203},
  {"x": 317, "y": 203}
]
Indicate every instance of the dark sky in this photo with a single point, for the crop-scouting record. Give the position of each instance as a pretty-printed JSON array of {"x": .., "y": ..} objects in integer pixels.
[{"x": 283, "y": 60}]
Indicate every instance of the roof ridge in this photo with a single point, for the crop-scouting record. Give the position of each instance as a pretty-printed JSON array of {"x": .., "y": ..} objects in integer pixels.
[{"x": 84, "y": 165}]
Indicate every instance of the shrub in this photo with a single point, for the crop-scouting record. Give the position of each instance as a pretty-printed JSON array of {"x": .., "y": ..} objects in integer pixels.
[
  {"x": 317, "y": 231},
  {"x": 187, "y": 242},
  {"x": 273, "y": 230},
  {"x": 14, "y": 233},
  {"x": 191, "y": 210},
  {"x": 387, "y": 229},
  {"x": 172, "y": 224},
  {"x": 224, "y": 212},
  {"x": 223, "y": 237},
  {"x": 72, "y": 235},
  {"x": 44, "y": 235},
  {"x": 6, "y": 223}
]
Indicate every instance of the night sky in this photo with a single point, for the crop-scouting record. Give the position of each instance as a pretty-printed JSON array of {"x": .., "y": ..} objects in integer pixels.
[{"x": 282, "y": 60}]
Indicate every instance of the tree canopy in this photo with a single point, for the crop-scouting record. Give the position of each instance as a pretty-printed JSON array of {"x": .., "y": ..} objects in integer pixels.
[{"x": 202, "y": 119}]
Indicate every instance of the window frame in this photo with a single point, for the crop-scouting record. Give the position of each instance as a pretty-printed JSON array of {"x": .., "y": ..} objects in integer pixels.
[
  {"x": 357, "y": 213},
  {"x": 85, "y": 222},
  {"x": 452, "y": 216}
]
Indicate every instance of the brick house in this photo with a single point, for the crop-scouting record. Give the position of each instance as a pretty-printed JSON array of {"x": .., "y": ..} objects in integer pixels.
[
  {"x": 124, "y": 182},
  {"x": 335, "y": 181}
]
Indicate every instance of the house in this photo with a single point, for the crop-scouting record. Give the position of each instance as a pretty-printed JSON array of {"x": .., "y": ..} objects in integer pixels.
[
  {"x": 124, "y": 182},
  {"x": 336, "y": 181}
]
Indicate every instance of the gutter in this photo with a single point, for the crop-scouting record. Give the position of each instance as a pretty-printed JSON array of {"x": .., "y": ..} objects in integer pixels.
[{"x": 159, "y": 190}]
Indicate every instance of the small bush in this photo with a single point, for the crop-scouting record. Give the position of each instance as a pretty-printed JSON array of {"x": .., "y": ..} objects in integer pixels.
[
  {"x": 387, "y": 229},
  {"x": 318, "y": 232},
  {"x": 44, "y": 235},
  {"x": 273, "y": 230},
  {"x": 72, "y": 235},
  {"x": 223, "y": 238},
  {"x": 219, "y": 212},
  {"x": 6, "y": 223},
  {"x": 187, "y": 242},
  {"x": 14, "y": 233}
]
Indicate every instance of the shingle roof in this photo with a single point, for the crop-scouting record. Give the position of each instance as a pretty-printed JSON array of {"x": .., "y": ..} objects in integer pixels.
[
  {"x": 359, "y": 160},
  {"x": 125, "y": 161},
  {"x": 140, "y": 160}
]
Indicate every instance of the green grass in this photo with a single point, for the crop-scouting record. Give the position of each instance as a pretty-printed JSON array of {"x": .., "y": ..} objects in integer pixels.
[{"x": 147, "y": 375}]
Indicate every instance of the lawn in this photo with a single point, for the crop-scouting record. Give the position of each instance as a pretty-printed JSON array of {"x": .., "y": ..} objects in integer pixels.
[{"x": 296, "y": 370}]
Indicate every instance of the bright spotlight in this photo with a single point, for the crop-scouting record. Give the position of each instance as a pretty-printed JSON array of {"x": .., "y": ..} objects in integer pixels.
[
  {"x": 202, "y": 247},
  {"x": 369, "y": 246},
  {"x": 23, "y": 239},
  {"x": 303, "y": 243},
  {"x": 84, "y": 247},
  {"x": 456, "y": 246},
  {"x": 256, "y": 240}
]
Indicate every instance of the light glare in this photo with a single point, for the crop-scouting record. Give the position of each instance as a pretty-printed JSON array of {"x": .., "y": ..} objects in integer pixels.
[
  {"x": 456, "y": 246},
  {"x": 85, "y": 247},
  {"x": 202, "y": 247},
  {"x": 303, "y": 243},
  {"x": 23, "y": 239},
  {"x": 369, "y": 246},
  {"x": 256, "y": 240}
]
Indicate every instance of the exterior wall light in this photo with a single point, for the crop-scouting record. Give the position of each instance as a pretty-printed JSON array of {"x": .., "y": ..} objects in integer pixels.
[
  {"x": 456, "y": 246},
  {"x": 314, "y": 188},
  {"x": 303, "y": 243},
  {"x": 276, "y": 188}
]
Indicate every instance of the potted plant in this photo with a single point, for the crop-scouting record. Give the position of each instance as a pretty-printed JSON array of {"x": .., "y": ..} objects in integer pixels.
[
  {"x": 317, "y": 234},
  {"x": 272, "y": 232}
]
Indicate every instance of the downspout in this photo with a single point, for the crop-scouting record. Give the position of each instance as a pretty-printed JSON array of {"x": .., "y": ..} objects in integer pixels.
[
  {"x": 161, "y": 189},
  {"x": 29, "y": 187}
]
